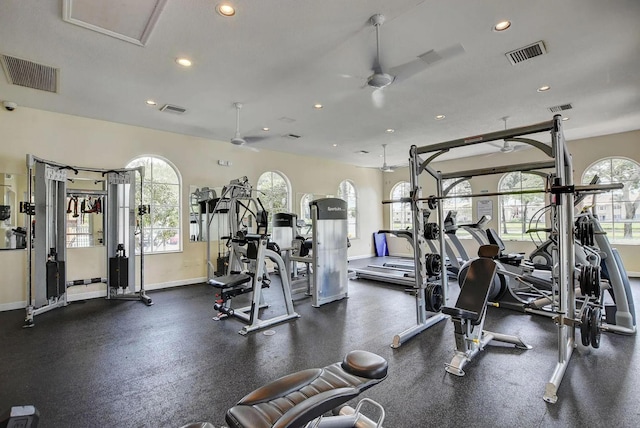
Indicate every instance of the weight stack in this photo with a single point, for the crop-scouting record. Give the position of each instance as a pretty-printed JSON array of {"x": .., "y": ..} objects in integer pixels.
[
  {"x": 119, "y": 272},
  {"x": 56, "y": 280},
  {"x": 221, "y": 266}
]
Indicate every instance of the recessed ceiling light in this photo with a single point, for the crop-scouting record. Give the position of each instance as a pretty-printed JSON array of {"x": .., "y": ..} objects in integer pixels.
[
  {"x": 335, "y": 145},
  {"x": 440, "y": 117},
  {"x": 544, "y": 88},
  {"x": 502, "y": 25},
  {"x": 390, "y": 130},
  {"x": 151, "y": 102},
  {"x": 185, "y": 62},
  {"x": 265, "y": 129},
  {"x": 225, "y": 9},
  {"x": 564, "y": 119},
  {"x": 317, "y": 106}
]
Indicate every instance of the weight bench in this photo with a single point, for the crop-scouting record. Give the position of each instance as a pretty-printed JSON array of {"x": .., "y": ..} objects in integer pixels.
[
  {"x": 469, "y": 313},
  {"x": 299, "y": 398}
]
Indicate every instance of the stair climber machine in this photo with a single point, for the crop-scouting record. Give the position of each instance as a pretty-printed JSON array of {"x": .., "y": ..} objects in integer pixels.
[
  {"x": 249, "y": 246},
  {"x": 47, "y": 241}
]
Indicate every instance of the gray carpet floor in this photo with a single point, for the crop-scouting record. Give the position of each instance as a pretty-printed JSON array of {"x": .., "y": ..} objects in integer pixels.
[{"x": 122, "y": 364}]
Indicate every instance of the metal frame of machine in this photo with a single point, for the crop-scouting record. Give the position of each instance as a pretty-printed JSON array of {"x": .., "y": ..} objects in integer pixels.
[
  {"x": 567, "y": 316},
  {"x": 46, "y": 282}
]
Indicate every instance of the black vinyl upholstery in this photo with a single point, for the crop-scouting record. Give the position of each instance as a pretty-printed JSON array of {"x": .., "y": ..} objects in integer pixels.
[
  {"x": 295, "y": 399},
  {"x": 227, "y": 281},
  {"x": 474, "y": 291}
]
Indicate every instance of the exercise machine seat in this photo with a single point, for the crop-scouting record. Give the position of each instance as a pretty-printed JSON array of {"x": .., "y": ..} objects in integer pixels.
[
  {"x": 474, "y": 291},
  {"x": 298, "y": 398},
  {"x": 228, "y": 281},
  {"x": 511, "y": 258}
]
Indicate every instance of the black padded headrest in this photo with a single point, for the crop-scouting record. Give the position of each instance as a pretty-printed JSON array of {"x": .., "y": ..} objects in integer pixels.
[
  {"x": 365, "y": 364},
  {"x": 488, "y": 251}
]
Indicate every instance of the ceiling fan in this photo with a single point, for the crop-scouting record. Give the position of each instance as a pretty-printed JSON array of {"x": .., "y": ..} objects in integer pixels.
[
  {"x": 385, "y": 167},
  {"x": 237, "y": 139},
  {"x": 382, "y": 78},
  {"x": 507, "y": 146}
]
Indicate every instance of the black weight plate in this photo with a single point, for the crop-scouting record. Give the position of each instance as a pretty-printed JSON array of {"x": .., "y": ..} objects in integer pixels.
[
  {"x": 595, "y": 330},
  {"x": 433, "y": 297},
  {"x": 591, "y": 234},
  {"x": 583, "y": 280},
  {"x": 596, "y": 281},
  {"x": 585, "y": 320}
]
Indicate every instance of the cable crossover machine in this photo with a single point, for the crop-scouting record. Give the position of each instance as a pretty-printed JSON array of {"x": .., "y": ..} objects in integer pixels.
[
  {"x": 47, "y": 210},
  {"x": 568, "y": 315}
]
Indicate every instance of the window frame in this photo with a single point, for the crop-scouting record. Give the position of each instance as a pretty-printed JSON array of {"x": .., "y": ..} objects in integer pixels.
[
  {"x": 355, "y": 223},
  {"x": 614, "y": 203},
  {"x": 149, "y": 230},
  {"x": 287, "y": 182},
  {"x": 405, "y": 207},
  {"x": 456, "y": 203},
  {"x": 523, "y": 221}
]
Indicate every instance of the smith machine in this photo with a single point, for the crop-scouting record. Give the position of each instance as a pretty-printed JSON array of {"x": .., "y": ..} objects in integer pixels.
[
  {"x": 46, "y": 238},
  {"x": 564, "y": 278}
]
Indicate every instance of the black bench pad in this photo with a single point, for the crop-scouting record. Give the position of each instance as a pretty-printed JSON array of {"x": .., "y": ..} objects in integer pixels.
[
  {"x": 228, "y": 281},
  {"x": 298, "y": 398}
]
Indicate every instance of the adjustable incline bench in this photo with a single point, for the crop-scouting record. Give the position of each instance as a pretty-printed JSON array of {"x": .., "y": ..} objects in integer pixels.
[
  {"x": 469, "y": 313},
  {"x": 300, "y": 399}
]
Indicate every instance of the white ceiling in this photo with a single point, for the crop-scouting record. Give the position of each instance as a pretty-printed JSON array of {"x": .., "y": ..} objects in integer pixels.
[{"x": 279, "y": 57}]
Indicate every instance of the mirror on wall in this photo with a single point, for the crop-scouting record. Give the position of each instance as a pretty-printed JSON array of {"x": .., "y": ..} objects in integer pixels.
[
  {"x": 13, "y": 232},
  {"x": 201, "y": 200},
  {"x": 85, "y": 212}
]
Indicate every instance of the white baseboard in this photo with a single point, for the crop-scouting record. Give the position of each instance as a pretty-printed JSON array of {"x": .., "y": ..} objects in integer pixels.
[
  {"x": 12, "y": 306},
  {"x": 74, "y": 297}
]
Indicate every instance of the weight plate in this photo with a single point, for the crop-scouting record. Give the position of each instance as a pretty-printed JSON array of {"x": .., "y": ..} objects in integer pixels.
[
  {"x": 595, "y": 323},
  {"x": 433, "y": 297},
  {"x": 585, "y": 320},
  {"x": 596, "y": 281},
  {"x": 583, "y": 280}
]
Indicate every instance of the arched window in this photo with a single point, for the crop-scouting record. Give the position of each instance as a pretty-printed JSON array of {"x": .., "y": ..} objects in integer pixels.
[
  {"x": 305, "y": 209},
  {"x": 274, "y": 192},
  {"x": 161, "y": 190},
  {"x": 516, "y": 211},
  {"x": 617, "y": 211},
  {"x": 400, "y": 212},
  {"x": 460, "y": 204},
  {"x": 347, "y": 192}
]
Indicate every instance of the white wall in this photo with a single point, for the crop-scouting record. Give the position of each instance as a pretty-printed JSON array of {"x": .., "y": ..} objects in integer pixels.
[
  {"x": 584, "y": 152},
  {"x": 92, "y": 143}
]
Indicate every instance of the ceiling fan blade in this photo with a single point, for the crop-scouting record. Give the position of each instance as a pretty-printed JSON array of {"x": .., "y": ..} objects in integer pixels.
[
  {"x": 377, "y": 97},
  {"x": 255, "y": 139},
  {"x": 424, "y": 61}
]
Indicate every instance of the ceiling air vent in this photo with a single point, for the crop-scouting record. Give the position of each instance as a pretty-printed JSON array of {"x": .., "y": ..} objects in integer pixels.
[
  {"x": 292, "y": 136},
  {"x": 170, "y": 108},
  {"x": 30, "y": 74},
  {"x": 526, "y": 53},
  {"x": 561, "y": 107}
]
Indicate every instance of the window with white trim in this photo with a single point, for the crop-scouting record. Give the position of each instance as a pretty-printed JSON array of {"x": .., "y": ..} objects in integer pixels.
[
  {"x": 617, "y": 210},
  {"x": 520, "y": 212},
  {"x": 347, "y": 192},
  {"x": 400, "y": 211},
  {"x": 459, "y": 203},
  {"x": 161, "y": 190},
  {"x": 274, "y": 191}
]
